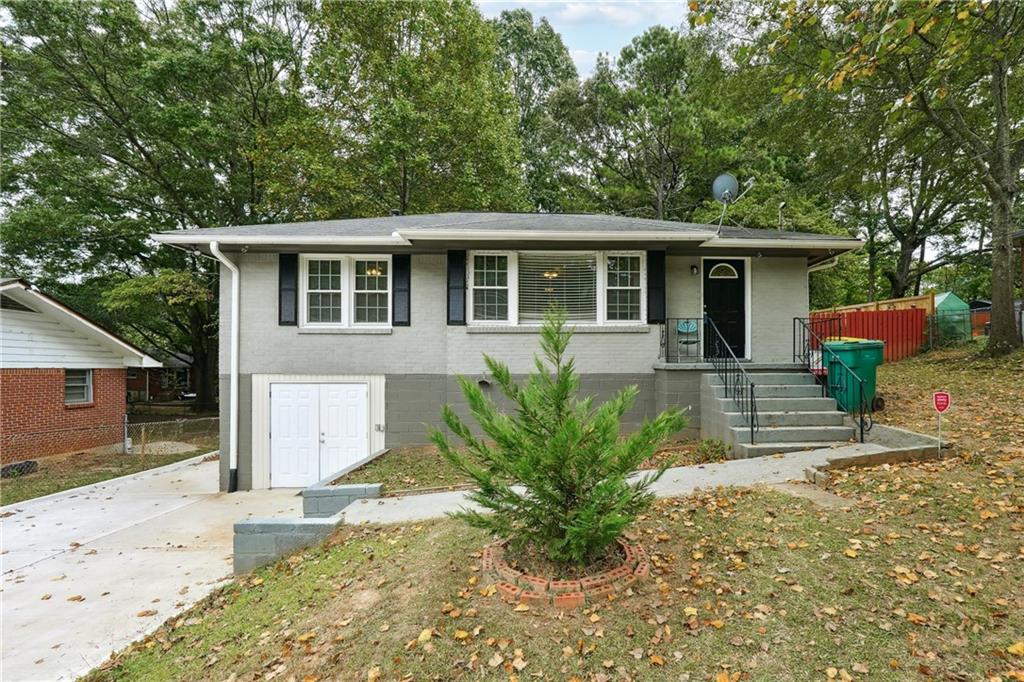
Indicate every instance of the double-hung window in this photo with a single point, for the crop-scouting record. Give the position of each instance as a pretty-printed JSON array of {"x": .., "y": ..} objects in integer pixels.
[
  {"x": 324, "y": 291},
  {"x": 346, "y": 291},
  {"x": 623, "y": 290},
  {"x": 371, "y": 292},
  {"x": 593, "y": 287},
  {"x": 491, "y": 297},
  {"x": 77, "y": 386}
]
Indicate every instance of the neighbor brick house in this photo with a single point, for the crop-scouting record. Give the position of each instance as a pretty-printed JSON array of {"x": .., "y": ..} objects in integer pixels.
[
  {"x": 340, "y": 338},
  {"x": 62, "y": 377}
]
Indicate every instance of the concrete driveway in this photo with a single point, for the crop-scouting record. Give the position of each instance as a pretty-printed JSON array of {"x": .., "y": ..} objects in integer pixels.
[{"x": 155, "y": 541}]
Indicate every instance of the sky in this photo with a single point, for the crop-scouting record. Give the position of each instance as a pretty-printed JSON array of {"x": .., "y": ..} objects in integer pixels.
[{"x": 588, "y": 28}]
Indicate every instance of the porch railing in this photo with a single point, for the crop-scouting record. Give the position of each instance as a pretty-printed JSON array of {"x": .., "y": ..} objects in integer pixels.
[
  {"x": 833, "y": 375},
  {"x": 682, "y": 339},
  {"x": 738, "y": 384}
]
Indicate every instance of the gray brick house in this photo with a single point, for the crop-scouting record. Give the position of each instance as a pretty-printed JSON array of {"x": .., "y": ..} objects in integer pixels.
[{"x": 342, "y": 337}]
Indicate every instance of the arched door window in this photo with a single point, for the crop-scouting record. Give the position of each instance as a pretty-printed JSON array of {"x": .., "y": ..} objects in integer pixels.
[{"x": 723, "y": 271}]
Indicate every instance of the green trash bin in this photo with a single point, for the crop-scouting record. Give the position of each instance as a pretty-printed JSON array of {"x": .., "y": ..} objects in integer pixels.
[{"x": 863, "y": 356}]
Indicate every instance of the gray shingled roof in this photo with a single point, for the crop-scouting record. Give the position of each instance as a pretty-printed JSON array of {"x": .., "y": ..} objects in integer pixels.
[{"x": 497, "y": 222}]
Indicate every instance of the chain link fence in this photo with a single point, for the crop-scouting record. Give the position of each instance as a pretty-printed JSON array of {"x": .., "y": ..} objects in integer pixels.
[
  {"x": 68, "y": 458},
  {"x": 171, "y": 436}
]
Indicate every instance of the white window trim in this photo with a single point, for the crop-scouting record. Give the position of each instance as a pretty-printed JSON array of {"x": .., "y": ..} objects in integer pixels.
[
  {"x": 88, "y": 387},
  {"x": 348, "y": 290},
  {"x": 603, "y": 288},
  {"x": 512, "y": 283},
  {"x": 601, "y": 258}
]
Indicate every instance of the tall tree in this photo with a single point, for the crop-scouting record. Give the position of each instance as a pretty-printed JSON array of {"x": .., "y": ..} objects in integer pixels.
[
  {"x": 536, "y": 62},
  {"x": 408, "y": 115},
  {"x": 646, "y": 131},
  {"x": 957, "y": 66},
  {"x": 122, "y": 119}
]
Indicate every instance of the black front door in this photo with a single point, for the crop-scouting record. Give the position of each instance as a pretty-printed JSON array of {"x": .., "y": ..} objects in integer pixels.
[{"x": 725, "y": 303}]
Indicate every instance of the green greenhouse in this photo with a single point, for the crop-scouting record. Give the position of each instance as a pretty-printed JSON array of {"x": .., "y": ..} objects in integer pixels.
[{"x": 952, "y": 318}]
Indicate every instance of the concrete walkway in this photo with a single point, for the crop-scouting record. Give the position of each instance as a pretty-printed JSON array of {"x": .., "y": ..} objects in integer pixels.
[
  {"x": 676, "y": 481},
  {"x": 155, "y": 541}
]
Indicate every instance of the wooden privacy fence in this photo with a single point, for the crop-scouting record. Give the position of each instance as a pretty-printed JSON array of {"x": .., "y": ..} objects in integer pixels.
[
  {"x": 903, "y": 331},
  {"x": 924, "y": 301}
]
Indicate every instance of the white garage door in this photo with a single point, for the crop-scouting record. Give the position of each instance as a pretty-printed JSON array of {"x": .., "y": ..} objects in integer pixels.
[{"x": 315, "y": 430}]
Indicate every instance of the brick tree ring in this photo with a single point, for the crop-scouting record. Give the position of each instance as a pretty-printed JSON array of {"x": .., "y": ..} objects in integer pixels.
[{"x": 515, "y": 586}]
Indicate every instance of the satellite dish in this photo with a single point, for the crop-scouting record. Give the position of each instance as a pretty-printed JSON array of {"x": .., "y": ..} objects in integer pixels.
[{"x": 725, "y": 188}]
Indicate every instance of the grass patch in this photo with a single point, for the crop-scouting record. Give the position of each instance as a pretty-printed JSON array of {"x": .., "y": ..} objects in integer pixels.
[
  {"x": 63, "y": 472},
  {"x": 920, "y": 577},
  {"x": 987, "y": 415},
  {"x": 421, "y": 467}
]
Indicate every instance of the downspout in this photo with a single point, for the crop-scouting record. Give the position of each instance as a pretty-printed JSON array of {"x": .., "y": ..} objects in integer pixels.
[{"x": 233, "y": 392}]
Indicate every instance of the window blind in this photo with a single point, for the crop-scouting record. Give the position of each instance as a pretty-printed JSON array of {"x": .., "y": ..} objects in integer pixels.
[{"x": 566, "y": 279}]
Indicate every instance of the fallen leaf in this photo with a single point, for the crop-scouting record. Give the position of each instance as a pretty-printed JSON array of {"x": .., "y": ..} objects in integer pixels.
[
  {"x": 657, "y": 660},
  {"x": 1017, "y": 649},
  {"x": 76, "y": 597},
  {"x": 424, "y": 635},
  {"x": 146, "y": 613}
]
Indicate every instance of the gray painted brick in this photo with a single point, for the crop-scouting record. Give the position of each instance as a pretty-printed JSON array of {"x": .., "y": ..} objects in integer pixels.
[{"x": 419, "y": 361}]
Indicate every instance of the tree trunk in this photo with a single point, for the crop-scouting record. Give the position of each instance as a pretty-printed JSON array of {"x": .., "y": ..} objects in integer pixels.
[
  {"x": 920, "y": 266},
  {"x": 872, "y": 260},
  {"x": 1005, "y": 335},
  {"x": 204, "y": 362},
  {"x": 899, "y": 277}
]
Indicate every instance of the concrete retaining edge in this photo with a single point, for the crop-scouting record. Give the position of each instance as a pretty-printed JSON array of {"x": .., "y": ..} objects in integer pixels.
[
  {"x": 322, "y": 499},
  {"x": 903, "y": 446},
  {"x": 262, "y": 541}
]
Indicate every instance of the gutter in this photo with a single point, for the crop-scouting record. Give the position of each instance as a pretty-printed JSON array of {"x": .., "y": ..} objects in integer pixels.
[
  {"x": 823, "y": 265},
  {"x": 235, "y": 310}
]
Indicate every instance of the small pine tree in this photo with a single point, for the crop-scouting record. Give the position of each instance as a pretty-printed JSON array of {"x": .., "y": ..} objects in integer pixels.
[{"x": 554, "y": 473}]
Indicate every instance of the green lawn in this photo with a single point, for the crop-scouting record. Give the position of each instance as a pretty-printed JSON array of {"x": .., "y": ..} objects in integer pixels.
[
  {"x": 987, "y": 414},
  {"x": 920, "y": 578},
  {"x": 62, "y": 472}
]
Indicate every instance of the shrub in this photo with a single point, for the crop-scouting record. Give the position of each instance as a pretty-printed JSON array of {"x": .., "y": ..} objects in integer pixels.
[
  {"x": 553, "y": 472},
  {"x": 710, "y": 450}
]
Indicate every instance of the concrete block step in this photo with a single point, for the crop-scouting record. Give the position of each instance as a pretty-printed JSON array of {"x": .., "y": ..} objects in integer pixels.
[
  {"x": 746, "y": 450},
  {"x": 786, "y": 404},
  {"x": 778, "y": 390},
  {"x": 789, "y": 378},
  {"x": 794, "y": 434},
  {"x": 791, "y": 418}
]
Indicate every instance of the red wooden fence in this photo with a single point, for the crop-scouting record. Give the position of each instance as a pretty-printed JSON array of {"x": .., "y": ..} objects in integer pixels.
[{"x": 904, "y": 331}]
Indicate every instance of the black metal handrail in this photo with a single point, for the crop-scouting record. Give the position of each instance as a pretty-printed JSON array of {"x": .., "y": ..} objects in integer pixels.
[
  {"x": 738, "y": 384},
  {"x": 833, "y": 383},
  {"x": 682, "y": 339}
]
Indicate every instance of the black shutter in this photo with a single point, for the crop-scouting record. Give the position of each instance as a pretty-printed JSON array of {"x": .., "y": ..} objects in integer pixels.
[
  {"x": 655, "y": 286},
  {"x": 288, "y": 289},
  {"x": 456, "y": 287},
  {"x": 401, "y": 271}
]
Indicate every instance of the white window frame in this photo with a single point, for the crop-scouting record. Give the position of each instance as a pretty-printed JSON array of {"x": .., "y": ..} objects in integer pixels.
[
  {"x": 352, "y": 293},
  {"x": 603, "y": 288},
  {"x": 348, "y": 290},
  {"x": 511, "y": 282},
  {"x": 601, "y": 258},
  {"x": 88, "y": 387}
]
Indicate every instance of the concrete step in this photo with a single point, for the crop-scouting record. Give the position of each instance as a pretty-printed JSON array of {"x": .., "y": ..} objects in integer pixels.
[
  {"x": 791, "y": 418},
  {"x": 746, "y": 450},
  {"x": 794, "y": 434},
  {"x": 789, "y": 378},
  {"x": 785, "y": 404},
  {"x": 778, "y": 390},
  {"x": 812, "y": 404}
]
